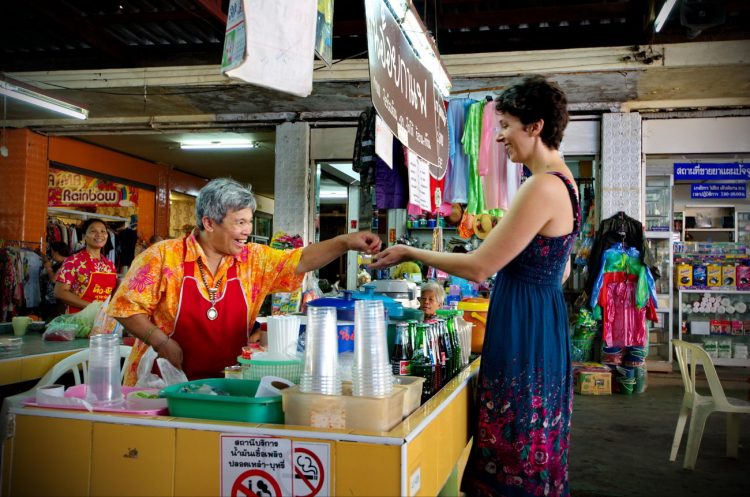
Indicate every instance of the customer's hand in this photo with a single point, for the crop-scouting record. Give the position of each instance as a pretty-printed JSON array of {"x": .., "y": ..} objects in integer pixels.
[{"x": 391, "y": 256}]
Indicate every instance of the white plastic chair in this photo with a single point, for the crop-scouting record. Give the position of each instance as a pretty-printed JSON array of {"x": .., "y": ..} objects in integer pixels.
[
  {"x": 689, "y": 356},
  {"x": 76, "y": 363}
]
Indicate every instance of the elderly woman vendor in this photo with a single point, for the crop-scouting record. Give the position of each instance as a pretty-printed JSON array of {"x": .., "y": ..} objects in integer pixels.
[
  {"x": 431, "y": 298},
  {"x": 194, "y": 299}
]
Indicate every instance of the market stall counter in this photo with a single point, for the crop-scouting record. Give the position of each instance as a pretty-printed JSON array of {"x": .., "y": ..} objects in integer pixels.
[
  {"x": 67, "y": 452},
  {"x": 29, "y": 357}
]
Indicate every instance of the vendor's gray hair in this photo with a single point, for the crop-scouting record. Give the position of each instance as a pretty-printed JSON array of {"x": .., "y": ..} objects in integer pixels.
[
  {"x": 435, "y": 288},
  {"x": 219, "y": 197}
]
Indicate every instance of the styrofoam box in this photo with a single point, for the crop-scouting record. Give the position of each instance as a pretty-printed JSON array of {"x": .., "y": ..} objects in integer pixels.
[
  {"x": 413, "y": 397},
  {"x": 699, "y": 328},
  {"x": 343, "y": 411}
]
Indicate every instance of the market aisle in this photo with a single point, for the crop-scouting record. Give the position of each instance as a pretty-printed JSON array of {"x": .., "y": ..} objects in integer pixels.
[{"x": 620, "y": 444}]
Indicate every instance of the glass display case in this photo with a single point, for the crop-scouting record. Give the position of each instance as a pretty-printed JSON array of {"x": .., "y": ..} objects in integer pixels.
[
  {"x": 659, "y": 203},
  {"x": 659, "y": 244},
  {"x": 717, "y": 319},
  {"x": 743, "y": 226}
]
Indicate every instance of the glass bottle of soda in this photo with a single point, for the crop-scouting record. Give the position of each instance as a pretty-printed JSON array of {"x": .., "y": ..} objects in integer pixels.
[{"x": 400, "y": 360}]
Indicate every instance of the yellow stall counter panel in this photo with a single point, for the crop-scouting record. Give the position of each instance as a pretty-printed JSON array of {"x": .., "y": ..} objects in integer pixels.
[{"x": 111, "y": 454}]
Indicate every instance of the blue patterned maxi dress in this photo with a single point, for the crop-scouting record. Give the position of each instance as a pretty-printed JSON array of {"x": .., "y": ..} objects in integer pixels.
[{"x": 524, "y": 390}]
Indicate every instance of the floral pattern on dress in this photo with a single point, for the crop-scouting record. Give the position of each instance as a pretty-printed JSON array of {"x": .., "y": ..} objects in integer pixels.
[
  {"x": 76, "y": 270},
  {"x": 152, "y": 285}
]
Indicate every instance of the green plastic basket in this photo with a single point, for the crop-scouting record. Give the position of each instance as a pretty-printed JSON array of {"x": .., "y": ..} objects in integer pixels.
[
  {"x": 255, "y": 369},
  {"x": 580, "y": 350},
  {"x": 239, "y": 405}
]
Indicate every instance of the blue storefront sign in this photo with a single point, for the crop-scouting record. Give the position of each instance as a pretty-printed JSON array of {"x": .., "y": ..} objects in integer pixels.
[
  {"x": 718, "y": 190},
  {"x": 686, "y": 171}
]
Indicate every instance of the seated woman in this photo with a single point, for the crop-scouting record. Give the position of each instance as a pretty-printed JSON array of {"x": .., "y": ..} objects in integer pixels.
[
  {"x": 431, "y": 299},
  {"x": 86, "y": 276}
]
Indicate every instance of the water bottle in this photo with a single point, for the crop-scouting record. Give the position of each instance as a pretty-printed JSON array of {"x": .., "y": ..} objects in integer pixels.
[{"x": 104, "y": 387}]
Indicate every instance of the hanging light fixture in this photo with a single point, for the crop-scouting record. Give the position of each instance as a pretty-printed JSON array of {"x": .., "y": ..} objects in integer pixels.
[
  {"x": 30, "y": 95},
  {"x": 222, "y": 144},
  {"x": 666, "y": 9}
]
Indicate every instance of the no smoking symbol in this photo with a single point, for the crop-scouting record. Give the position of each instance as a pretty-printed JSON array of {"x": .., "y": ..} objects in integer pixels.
[
  {"x": 255, "y": 483},
  {"x": 309, "y": 469}
]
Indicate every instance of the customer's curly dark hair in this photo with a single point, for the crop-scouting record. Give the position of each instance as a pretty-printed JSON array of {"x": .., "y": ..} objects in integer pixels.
[{"x": 533, "y": 99}]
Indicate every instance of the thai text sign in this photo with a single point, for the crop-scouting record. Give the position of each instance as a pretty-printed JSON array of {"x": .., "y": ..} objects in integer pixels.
[
  {"x": 716, "y": 190},
  {"x": 67, "y": 189},
  {"x": 711, "y": 171},
  {"x": 403, "y": 91}
]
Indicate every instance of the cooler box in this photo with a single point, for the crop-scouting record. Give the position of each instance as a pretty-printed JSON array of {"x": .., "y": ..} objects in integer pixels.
[{"x": 475, "y": 311}]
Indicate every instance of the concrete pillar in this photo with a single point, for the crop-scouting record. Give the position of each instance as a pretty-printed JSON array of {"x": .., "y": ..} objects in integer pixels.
[
  {"x": 292, "y": 181},
  {"x": 622, "y": 170}
]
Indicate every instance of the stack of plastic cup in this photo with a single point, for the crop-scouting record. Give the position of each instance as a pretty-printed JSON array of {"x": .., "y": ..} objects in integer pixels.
[
  {"x": 320, "y": 372},
  {"x": 283, "y": 332},
  {"x": 372, "y": 375},
  {"x": 104, "y": 387}
]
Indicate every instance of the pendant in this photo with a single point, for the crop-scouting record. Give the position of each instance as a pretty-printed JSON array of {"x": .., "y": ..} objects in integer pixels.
[{"x": 212, "y": 313}]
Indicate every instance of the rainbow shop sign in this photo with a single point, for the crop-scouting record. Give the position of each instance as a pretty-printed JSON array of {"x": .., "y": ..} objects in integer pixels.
[{"x": 68, "y": 189}]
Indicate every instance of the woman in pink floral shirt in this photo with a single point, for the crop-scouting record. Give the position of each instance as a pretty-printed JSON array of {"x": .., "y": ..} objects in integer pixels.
[
  {"x": 194, "y": 299},
  {"x": 86, "y": 276}
]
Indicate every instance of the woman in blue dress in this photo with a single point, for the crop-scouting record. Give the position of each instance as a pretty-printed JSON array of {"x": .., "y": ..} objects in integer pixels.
[{"x": 524, "y": 389}]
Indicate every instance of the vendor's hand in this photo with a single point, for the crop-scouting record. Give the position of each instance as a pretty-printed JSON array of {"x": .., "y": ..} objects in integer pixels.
[
  {"x": 172, "y": 352},
  {"x": 391, "y": 256},
  {"x": 363, "y": 241}
]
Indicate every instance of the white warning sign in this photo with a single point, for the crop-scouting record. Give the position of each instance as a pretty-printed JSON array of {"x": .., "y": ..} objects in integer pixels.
[
  {"x": 274, "y": 467},
  {"x": 311, "y": 469}
]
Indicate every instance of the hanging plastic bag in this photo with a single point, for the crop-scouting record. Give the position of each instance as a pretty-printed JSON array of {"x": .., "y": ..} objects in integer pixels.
[{"x": 310, "y": 291}]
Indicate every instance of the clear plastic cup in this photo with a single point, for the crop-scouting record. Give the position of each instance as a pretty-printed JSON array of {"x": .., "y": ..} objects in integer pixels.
[
  {"x": 371, "y": 370},
  {"x": 320, "y": 371},
  {"x": 104, "y": 387}
]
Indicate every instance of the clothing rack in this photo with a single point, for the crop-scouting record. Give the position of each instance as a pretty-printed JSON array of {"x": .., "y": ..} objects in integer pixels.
[{"x": 58, "y": 211}]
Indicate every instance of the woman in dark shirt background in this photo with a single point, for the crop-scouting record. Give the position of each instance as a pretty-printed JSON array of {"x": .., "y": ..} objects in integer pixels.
[{"x": 51, "y": 308}]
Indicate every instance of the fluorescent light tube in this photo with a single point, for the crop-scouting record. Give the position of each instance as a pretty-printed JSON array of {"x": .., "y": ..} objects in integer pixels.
[
  {"x": 225, "y": 144},
  {"x": 41, "y": 100},
  {"x": 666, "y": 9}
]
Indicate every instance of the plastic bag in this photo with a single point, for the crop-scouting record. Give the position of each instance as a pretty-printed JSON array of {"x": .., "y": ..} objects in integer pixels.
[
  {"x": 310, "y": 291},
  {"x": 170, "y": 374},
  {"x": 70, "y": 326},
  {"x": 60, "y": 332},
  {"x": 103, "y": 322}
]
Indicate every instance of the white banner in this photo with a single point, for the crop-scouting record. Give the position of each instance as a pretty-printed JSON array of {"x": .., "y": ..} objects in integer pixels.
[{"x": 280, "y": 45}]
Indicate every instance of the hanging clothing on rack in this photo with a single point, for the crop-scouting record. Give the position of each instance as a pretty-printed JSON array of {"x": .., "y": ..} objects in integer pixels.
[
  {"x": 619, "y": 228},
  {"x": 470, "y": 140},
  {"x": 456, "y": 184},
  {"x": 623, "y": 297},
  {"x": 492, "y": 162}
]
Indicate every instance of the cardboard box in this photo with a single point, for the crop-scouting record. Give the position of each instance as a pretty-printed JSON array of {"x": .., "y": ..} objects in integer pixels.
[
  {"x": 593, "y": 383},
  {"x": 684, "y": 275},
  {"x": 713, "y": 275},
  {"x": 729, "y": 275}
]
